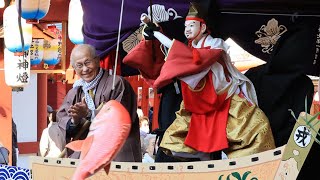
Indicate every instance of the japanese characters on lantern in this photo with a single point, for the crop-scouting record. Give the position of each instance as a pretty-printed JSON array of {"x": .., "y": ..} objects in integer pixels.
[
  {"x": 17, "y": 69},
  {"x": 36, "y": 52}
]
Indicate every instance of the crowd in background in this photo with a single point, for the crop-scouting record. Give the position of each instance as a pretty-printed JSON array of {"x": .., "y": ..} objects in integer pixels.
[{"x": 148, "y": 140}]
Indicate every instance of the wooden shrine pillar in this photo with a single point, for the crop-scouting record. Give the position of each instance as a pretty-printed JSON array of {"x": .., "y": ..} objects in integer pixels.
[{"x": 42, "y": 103}]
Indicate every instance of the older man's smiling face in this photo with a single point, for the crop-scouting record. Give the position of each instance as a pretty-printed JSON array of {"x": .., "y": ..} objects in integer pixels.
[{"x": 86, "y": 67}]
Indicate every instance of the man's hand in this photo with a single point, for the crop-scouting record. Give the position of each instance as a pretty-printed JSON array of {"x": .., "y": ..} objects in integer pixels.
[
  {"x": 148, "y": 31},
  {"x": 78, "y": 111}
]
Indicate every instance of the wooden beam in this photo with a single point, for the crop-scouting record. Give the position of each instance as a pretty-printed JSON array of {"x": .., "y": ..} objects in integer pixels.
[{"x": 28, "y": 147}]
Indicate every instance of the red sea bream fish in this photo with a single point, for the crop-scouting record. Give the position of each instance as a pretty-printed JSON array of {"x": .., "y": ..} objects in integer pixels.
[{"x": 107, "y": 134}]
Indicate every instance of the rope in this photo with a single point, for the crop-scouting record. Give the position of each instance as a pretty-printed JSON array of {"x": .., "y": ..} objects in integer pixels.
[
  {"x": 151, "y": 14},
  {"x": 117, "y": 50},
  {"x": 152, "y": 41},
  {"x": 20, "y": 27}
]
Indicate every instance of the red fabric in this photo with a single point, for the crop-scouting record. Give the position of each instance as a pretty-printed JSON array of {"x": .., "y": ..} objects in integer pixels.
[
  {"x": 108, "y": 62},
  {"x": 207, "y": 131},
  {"x": 225, "y": 69},
  {"x": 195, "y": 19},
  {"x": 57, "y": 91},
  {"x": 196, "y": 56},
  {"x": 142, "y": 57},
  {"x": 179, "y": 62}
]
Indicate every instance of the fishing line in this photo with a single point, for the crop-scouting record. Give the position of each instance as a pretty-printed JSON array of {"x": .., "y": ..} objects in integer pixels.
[{"x": 117, "y": 50}]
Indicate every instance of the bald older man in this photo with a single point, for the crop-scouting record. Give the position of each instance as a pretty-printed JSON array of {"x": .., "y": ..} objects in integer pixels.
[{"x": 92, "y": 89}]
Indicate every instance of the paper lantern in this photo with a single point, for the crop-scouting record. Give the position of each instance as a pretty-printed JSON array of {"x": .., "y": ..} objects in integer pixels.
[
  {"x": 16, "y": 69},
  {"x": 36, "y": 52},
  {"x": 52, "y": 52},
  {"x": 52, "y": 49},
  {"x": 11, "y": 31},
  {"x": 2, "y": 3},
  {"x": 75, "y": 22},
  {"x": 33, "y": 10}
]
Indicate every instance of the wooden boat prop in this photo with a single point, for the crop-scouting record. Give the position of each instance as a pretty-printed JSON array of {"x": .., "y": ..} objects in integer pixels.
[{"x": 281, "y": 163}]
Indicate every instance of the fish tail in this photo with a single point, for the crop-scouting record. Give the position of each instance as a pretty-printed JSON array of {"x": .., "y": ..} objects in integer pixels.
[
  {"x": 107, "y": 168},
  {"x": 80, "y": 175}
]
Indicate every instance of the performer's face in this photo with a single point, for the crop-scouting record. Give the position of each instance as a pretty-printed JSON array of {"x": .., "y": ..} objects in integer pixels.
[
  {"x": 86, "y": 67},
  {"x": 192, "y": 29}
]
